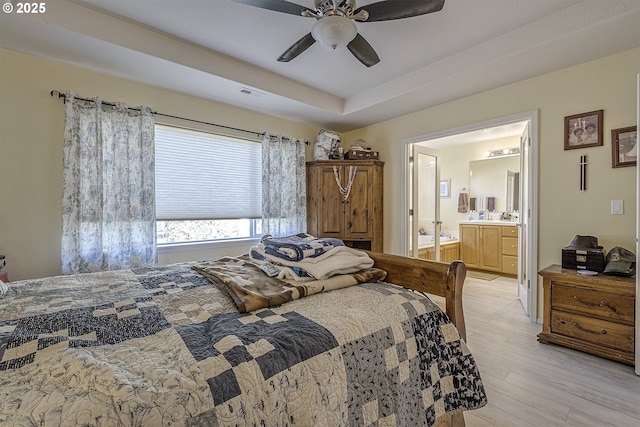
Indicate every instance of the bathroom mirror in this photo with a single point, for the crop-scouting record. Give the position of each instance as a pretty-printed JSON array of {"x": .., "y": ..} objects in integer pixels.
[{"x": 488, "y": 178}]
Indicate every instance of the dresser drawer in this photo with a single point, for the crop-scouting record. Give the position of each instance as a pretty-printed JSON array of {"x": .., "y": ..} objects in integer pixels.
[
  {"x": 510, "y": 264},
  {"x": 593, "y": 303},
  {"x": 596, "y": 331},
  {"x": 510, "y": 246}
]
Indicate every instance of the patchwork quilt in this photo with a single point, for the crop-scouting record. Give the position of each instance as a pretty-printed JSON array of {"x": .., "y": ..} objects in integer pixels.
[{"x": 164, "y": 346}]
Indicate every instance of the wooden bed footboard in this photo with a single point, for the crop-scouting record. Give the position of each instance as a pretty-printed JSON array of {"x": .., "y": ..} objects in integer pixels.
[{"x": 432, "y": 277}]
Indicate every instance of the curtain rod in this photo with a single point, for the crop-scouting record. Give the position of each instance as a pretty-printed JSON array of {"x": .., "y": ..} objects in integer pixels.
[{"x": 60, "y": 95}]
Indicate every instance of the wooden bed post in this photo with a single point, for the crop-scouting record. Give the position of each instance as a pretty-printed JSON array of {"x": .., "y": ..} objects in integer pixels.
[
  {"x": 431, "y": 277},
  {"x": 455, "y": 280}
]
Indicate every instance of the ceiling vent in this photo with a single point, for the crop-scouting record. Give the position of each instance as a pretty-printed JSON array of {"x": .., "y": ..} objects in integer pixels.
[{"x": 251, "y": 92}]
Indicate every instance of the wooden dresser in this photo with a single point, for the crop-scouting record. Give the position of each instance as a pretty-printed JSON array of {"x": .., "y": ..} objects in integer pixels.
[{"x": 594, "y": 314}]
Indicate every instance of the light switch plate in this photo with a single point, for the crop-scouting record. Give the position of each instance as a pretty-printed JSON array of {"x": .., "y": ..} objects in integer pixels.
[{"x": 617, "y": 207}]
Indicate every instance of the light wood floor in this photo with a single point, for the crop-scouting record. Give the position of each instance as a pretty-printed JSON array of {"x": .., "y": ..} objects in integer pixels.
[{"x": 541, "y": 385}]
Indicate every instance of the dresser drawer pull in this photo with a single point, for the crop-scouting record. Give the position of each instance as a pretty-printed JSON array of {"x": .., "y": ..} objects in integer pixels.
[
  {"x": 589, "y": 331},
  {"x": 590, "y": 304}
]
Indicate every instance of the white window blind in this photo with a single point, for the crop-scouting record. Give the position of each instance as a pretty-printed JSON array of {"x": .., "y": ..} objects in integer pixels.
[{"x": 200, "y": 175}]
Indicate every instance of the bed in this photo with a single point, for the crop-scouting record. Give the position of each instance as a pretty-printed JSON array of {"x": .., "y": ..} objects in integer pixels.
[{"x": 165, "y": 345}]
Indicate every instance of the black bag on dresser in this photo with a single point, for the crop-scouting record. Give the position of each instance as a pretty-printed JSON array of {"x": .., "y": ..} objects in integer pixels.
[{"x": 583, "y": 254}]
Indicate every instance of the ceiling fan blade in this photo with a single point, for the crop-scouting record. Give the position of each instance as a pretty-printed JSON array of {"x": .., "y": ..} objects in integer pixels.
[
  {"x": 276, "y": 5},
  {"x": 362, "y": 50},
  {"x": 388, "y": 10},
  {"x": 297, "y": 48}
]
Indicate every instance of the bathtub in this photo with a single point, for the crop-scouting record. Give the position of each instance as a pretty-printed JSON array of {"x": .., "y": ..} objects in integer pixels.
[
  {"x": 449, "y": 248},
  {"x": 427, "y": 241}
]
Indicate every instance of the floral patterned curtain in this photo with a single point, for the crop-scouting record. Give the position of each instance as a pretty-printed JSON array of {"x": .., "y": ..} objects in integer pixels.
[
  {"x": 284, "y": 186},
  {"x": 108, "y": 217}
]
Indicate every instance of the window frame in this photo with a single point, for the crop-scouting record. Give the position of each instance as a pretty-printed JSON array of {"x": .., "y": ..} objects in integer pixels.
[{"x": 204, "y": 244}]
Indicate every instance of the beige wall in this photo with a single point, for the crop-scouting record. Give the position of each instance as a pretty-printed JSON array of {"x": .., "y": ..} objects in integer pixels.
[
  {"x": 31, "y": 132},
  {"x": 31, "y": 124},
  {"x": 454, "y": 166},
  {"x": 454, "y": 163},
  {"x": 564, "y": 211}
]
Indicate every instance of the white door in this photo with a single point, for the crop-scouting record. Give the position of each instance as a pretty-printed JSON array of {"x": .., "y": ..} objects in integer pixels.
[
  {"x": 638, "y": 241},
  {"x": 524, "y": 281},
  {"x": 424, "y": 213}
]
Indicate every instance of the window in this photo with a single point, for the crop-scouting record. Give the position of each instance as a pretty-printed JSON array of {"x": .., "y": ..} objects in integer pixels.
[{"x": 208, "y": 187}]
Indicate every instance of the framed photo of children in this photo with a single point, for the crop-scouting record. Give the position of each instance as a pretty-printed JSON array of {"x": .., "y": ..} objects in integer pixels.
[
  {"x": 624, "y": 147},
  {"x": 583, "y": 130}
]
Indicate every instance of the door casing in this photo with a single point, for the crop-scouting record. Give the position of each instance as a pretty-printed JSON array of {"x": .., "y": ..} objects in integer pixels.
[{"x": 532, "y": 199}]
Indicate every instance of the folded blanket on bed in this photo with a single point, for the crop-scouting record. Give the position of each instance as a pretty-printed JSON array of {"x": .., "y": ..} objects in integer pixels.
[
  {"x": 299, "y": 246},
  {"x": 339, "y": 260},
  {"x": 258, "y": 256},
  {"x": 251, "y": 289}
]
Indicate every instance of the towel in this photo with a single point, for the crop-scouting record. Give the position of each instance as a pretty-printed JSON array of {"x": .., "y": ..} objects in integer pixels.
[
  {"x": 491, "y": 204},
  {"x": 463, "y": 203}
]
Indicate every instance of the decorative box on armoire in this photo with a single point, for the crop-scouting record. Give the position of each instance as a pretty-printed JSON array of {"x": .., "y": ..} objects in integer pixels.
[{"x": 344, "y": 201}]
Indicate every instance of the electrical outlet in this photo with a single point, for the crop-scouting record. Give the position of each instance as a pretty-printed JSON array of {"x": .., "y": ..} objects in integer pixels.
[{"x": 617, "y": 207}]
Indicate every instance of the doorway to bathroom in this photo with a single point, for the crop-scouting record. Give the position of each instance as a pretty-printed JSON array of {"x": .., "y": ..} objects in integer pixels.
[{"x": 442, "y": 193}]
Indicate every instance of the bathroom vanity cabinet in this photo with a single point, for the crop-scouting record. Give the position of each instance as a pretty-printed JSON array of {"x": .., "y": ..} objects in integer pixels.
[
  {"x": 510, "y": 250},
  {"x": 356, "y": 219},
  {"x": 490, "y": 246}
]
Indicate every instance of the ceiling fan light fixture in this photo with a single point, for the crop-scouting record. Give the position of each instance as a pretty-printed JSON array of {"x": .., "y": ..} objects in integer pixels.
[{"x": 334, "y": 31}]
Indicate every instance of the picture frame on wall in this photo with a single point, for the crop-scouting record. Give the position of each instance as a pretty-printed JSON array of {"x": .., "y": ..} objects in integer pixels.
[
  {"x": 445, "y": 188},
  {"x": 583, "y": 130},
  {"x": 624, "y": 147}
]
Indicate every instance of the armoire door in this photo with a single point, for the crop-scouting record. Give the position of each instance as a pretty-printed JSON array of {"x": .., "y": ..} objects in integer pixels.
[
  {"x": 338, "y": 209},
  {"x": 358, "y": 207},
  {"x": 331, "y": 218}
]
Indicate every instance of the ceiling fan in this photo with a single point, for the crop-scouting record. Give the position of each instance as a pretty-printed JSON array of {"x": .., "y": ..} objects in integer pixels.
[{"x": 335, "y": 24}]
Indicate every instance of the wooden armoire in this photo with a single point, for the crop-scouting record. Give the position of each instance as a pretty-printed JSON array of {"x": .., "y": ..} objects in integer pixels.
[{"x": 356, "y": 219}]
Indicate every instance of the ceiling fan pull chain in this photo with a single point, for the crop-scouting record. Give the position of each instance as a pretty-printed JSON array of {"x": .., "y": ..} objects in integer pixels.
[{"x": 345, "y": 191}]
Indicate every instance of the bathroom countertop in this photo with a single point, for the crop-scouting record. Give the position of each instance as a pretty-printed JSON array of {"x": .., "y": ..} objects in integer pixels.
[{"x": 489, "y": 222}]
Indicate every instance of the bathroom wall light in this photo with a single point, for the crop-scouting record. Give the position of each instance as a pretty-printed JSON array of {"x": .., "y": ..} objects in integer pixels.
[{"x": 503, "y": 152}]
